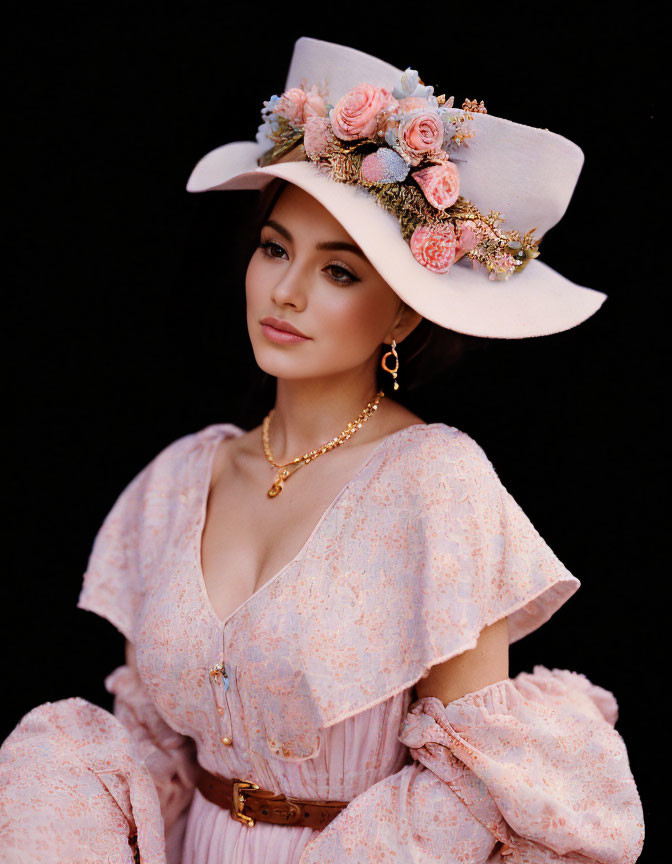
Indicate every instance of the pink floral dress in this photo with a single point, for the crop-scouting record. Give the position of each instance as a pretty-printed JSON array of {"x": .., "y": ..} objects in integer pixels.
[{"x": 421, "y": 550}]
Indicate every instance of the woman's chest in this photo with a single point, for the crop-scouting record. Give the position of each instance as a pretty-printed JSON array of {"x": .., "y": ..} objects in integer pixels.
[
  {"x": 322, "y": 637},
  {"x": 249, "y": 537},
  {"x": 313, "y": 644}
]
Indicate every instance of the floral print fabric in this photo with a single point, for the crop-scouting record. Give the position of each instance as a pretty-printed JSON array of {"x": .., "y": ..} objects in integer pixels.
[
  {"x": 426, "y": 544},
  {"x": 537, "y": 764},
  {"x": 420, "y": 550},
  {"x": 73, "y": 788},
  {"x": 170, "y": 758}
]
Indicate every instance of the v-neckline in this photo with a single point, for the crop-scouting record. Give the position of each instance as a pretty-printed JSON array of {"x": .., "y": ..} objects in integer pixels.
[{"x": 205, "y": 492}]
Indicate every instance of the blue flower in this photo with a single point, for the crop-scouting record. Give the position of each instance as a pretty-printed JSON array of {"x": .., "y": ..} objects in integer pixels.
[
  {"x": 270, "y": 104},
  {"x": 270, "y": 126},
  {"x": 267, "y": 130}
]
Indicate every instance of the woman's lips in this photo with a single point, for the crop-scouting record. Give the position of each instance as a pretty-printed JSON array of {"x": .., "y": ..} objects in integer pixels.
[{"x": 281, "y": 336}]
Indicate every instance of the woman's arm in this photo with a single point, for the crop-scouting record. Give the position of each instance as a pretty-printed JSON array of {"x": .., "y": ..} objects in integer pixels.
[
  {"x": 531, "y": 768},
  {"x": 169, "y": 756},
  {"x": 485, "y": 664}
]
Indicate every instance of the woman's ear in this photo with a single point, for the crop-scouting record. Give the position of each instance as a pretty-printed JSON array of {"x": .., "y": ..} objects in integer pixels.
[{"x": 405, "y": 323}]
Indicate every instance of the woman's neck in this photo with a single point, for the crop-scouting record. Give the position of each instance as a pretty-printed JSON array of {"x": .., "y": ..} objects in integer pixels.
[{"x": 307, "y": 413}]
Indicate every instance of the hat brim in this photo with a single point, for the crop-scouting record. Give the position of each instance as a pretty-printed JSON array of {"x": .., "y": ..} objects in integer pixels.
[{"x": 538, "y": 301}]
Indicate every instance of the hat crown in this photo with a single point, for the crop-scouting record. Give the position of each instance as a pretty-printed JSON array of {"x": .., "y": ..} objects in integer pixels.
[
  {"x": 337, "y": 68},
  {"x": 526, "y": 173}
]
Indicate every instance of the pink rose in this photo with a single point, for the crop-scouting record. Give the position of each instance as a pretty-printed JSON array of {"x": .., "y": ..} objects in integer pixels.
[
  {"x": 317, "y": 136},
  {"x": 434, "y": 246},
  {"x": 440, "y": 184},
  {"x": 315, "y": 105},
  {"x": 419, "y": 134},
  {"x": 297, "y": 104},
  {"x": 355, "y": 115},
  {"x": 389, "y": 117}
]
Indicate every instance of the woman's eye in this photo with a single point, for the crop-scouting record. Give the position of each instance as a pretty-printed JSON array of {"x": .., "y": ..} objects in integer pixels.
[
  {"x": 343, "y": 276},
  {"x": 349, "y": 277},
  {"x": 268, "y": 245}
]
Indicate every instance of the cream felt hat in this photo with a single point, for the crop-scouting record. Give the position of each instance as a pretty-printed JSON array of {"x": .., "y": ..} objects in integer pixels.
[{"x": 526, "y": 174}]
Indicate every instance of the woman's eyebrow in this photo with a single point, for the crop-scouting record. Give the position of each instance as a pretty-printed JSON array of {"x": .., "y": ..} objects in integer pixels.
[{"x": 328, "y": 244}]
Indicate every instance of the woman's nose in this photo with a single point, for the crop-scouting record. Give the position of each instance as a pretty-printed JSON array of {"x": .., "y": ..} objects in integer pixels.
[{"x": 291, "y": 288}]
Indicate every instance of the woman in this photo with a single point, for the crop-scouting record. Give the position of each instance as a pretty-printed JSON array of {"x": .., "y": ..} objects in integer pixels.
[{"x": 317, "y": 665}]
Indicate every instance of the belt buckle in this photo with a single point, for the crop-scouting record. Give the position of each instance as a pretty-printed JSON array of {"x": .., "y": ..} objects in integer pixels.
[{"x": 238, "y": 801}]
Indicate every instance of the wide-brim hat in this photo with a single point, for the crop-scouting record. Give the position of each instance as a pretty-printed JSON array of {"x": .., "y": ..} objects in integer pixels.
[{"x": 526, "y": 173}]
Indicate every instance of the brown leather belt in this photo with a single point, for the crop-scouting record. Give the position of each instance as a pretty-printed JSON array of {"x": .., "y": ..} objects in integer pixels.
[{"x": 248, "y": 803}]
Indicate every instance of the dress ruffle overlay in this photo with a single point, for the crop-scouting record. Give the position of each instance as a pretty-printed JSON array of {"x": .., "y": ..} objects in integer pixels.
[{"x": 422, "y": 549}]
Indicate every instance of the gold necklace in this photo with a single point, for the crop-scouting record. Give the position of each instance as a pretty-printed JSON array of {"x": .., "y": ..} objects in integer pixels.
[{"x": 307, "y": 457}]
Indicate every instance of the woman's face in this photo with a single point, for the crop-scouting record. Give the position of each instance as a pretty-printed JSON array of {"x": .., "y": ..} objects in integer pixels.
[{"x": 309, "y": 272}]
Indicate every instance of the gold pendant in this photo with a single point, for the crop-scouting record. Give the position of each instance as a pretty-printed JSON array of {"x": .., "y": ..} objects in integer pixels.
[{"x": 276, "y": 488}]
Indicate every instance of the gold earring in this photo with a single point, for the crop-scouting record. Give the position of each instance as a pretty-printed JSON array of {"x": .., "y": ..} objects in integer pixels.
[{"x": 393, "y": 372}]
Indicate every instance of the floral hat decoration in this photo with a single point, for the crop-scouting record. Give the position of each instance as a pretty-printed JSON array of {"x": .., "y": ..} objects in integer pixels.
[
  {"x": 448, "y": 203},
  {"x": 398, "y": 145}
]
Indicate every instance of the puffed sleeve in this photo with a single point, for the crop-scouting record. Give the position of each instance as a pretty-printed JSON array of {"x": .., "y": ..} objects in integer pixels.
[
  {"x": 74, "y": 788},
  {"x": 528, "y": 770},
  {"x": 169, "y": 756},
  {"x": 115, "y": 587}
]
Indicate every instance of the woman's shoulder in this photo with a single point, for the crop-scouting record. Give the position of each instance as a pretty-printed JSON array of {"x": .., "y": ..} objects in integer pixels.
[
  {"x": 441, "y": 444},
  {"x": 434, "y": 465},
  {"x": 178, "y": 454}
]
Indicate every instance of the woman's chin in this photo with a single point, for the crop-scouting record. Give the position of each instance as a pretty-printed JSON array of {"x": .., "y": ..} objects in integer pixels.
[{"x": 280, "y": 364}]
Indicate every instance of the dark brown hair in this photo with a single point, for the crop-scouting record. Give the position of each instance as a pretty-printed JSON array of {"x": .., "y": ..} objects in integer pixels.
[{"x": 426, "y": 352}]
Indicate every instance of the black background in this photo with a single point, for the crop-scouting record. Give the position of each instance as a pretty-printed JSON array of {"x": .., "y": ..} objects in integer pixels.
[{"x": 124, "y": 311}]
